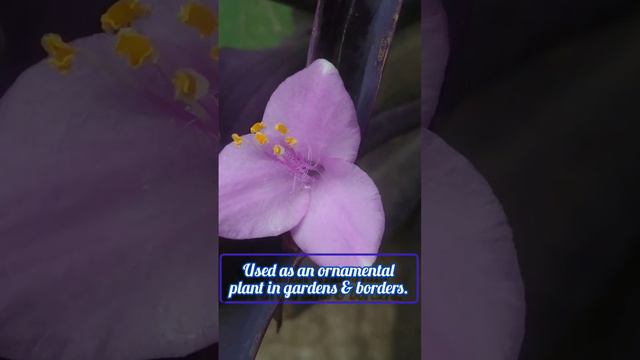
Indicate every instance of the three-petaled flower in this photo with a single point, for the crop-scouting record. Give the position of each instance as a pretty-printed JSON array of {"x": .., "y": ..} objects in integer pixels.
[{"x": 295, "y": 172}]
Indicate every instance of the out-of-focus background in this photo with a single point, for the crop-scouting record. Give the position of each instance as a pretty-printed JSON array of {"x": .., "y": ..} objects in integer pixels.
[{"x": 542, "y": 97}]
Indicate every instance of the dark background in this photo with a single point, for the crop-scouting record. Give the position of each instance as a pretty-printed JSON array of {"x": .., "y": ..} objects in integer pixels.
[
  {"x": 543, "y": 97},
  {"x": 24, "y": 22}
]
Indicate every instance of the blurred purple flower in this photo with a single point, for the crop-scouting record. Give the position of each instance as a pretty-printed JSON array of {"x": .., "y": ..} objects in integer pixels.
[
  {"x": 474, "y": 307},
  {"x": 107, "y": 244},
  {"x": 473, "y": 304},
  {"x": 297, "y": 173}
]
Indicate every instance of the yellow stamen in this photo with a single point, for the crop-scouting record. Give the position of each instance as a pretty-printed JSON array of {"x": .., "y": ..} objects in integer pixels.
[
  {"x": 278, "y": 150},
  {"x": 200, "y": 17},
  {"x": 261, "y": 138},
  {"x": 189, "y": 85},
  {"x": 237, "y": 139},
  {"x": 257, "y": 127},
  {"x": 122, "y": 14},
  {"x": 281, "y": 128},
  {"x": 61, "y": 54},
  {"x": 290, "y": 140},
  {"x": 135, "y": 47}
]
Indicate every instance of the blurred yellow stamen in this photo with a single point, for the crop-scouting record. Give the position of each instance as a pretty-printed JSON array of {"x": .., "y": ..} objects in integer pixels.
[
  {"x": 135, "y": 47},
  {"x": 281, "y": 128},
  {"x": 237, "y": 139},
  {"x": 61, "y": 54},
  {"x": 200, "y": 17},
  {"x": 122, "y": 14},
  {"x": 189, "y": 85},
  {"x": 257, "y": 127},
  {"x": 290, "y": 140},
  {"x": 261, "y": 138},
  {"x": 278, "y": 150}
]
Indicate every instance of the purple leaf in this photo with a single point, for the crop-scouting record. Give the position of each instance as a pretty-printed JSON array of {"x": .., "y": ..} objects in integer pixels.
[
  {"x": 390, "y": 124},
  {"x": 395, "y": 169}
]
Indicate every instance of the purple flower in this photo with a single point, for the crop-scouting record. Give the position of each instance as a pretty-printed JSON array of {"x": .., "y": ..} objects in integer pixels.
[
  {"x": 295, "y": 172},
  {"x": 107, "y": 248},
  {"x": 474, "y": 307}
]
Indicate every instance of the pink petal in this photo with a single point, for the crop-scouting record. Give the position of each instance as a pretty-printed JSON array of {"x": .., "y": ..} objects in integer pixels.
[
  {"x": 473, "y": 301},
  {"x": 318, "y": 111},
  {"x": 345, "y": 216},
  {"x": 107, "y": 248},
  {"x": 257, "y": 197}
]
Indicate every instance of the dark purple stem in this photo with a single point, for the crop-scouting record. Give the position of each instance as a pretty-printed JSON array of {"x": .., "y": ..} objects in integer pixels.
[{"x": 355, "y": 35}]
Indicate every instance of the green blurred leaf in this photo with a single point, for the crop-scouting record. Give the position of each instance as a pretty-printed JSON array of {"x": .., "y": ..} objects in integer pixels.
[{"x": 254, "y": 24}]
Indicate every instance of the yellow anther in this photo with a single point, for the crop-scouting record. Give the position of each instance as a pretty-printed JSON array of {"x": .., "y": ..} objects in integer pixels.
[
  {"x": 261, "y": 138},
  {"x": 189, "y": 85},
  {"x": 278, "y": 150},
  {"x": 290, "y": 140},
  {"x": 257, "y": 127},
  {"x": 281, "y": 128},
  {"x": 122, "y": 14},
  {"x": 237, "y": 139},
  {"x": 215, "y": 53},
  {"x": 61, "y": 54},
  {"x": 185, "y": 85},
  {"x": 135, "y": 47},
  {"x": 200, "y": 17}
]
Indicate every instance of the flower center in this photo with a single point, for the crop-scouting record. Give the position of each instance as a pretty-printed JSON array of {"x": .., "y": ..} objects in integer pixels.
[
  {"x": 283, "y": 148},
  {"x": 190, "y": 89},
  {"x": 304, "y": 171}
]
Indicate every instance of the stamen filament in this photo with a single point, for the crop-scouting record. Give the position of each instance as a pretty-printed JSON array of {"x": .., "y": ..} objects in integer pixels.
[
  {"x": 194, "y": 106},
  {"x": 130, "y": 82}
]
